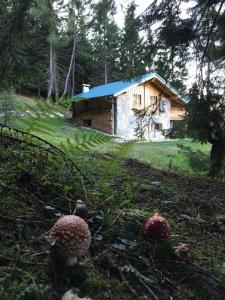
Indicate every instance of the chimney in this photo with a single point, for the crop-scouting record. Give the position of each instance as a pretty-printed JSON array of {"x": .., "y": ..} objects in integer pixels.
[{"x": 85, "y": 87}]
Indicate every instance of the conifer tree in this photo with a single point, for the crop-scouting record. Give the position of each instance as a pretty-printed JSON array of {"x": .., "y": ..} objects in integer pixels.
[
  {"x": 206, "y": 116},
  {"x": 131, "y": 46},
  {"x": 48, "y": 13},
  {"x": 170, "y": 49},
  {"x": 13, "y": 41},
  {"x": 104, "y": 41}
]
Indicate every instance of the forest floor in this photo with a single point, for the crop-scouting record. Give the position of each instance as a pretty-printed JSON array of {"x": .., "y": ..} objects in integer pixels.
[{"x": 37, "y": 187}]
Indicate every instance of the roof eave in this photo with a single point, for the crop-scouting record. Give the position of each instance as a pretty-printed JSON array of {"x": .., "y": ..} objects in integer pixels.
[
  {"x": 151, "y": 76},
  {"x": 76, "y": 98}
]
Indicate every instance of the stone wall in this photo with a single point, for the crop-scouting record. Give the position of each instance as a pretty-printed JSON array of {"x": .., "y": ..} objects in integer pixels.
[
  {"x": 96, "y": 114},
  {"x": 126, "y": 122}
]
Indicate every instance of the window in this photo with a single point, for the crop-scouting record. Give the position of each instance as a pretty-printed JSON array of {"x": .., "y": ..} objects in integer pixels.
[
  {"x": 137, "y": 99},
  {"x": 158, "y": 126},
  {"x": 87, "y": 122},
  {"x": 163, "y": 107}
]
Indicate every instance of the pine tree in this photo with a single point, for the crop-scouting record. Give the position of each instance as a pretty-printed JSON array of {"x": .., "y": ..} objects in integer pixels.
[
  {"x": 206, "y": 117},
  {"x": 170, "y": 39},
  {"x": 13, "y": 41},
  {"x": 104, "y": 41},
  {"x": 131, "y": 47},
  {"x": 84, "y": 58}
]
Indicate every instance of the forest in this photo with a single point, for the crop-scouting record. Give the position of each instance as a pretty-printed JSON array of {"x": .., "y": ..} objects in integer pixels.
[{"x": 88, "y": 215}]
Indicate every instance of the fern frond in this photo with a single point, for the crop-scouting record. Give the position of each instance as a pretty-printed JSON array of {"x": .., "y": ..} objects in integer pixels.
[{"x": 40, "y": 117}]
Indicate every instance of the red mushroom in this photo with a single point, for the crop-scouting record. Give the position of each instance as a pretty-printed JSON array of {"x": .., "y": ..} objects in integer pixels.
[
  {"x": 157, "y": 228},
  {"x": 72, "y": 238}
]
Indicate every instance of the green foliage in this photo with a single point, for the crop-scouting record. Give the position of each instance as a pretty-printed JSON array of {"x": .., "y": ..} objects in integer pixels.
[
  {"x": 13, "y": 35},
  {"x": 7, "y": 106},
  {"x": 104, "y": 42},
  {"x": 38, "y": 117},
  {"x": 166, "y": 51},
  {"x": 131, "y": 47}
]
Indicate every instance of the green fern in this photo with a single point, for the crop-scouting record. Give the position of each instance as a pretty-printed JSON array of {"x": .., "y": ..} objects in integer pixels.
[
  {"x": 7, "y": 106},
  {"x": 39, "y": 118}
]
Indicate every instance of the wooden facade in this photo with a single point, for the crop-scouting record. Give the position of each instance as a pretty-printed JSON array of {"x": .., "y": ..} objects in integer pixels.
[{"x": 152, "y": 93}]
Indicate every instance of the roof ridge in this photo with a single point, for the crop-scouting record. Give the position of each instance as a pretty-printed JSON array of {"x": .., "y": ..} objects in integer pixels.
[{"x": 117, "y": 87}]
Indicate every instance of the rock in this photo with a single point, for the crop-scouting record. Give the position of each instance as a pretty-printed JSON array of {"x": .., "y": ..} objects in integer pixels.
[{"x": 69, "y": 295}]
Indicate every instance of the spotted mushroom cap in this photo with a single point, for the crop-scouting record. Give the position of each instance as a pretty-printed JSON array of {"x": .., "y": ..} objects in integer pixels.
[
  {"x": 157, "y": 228},
  {"x": 72, "y": 235}
]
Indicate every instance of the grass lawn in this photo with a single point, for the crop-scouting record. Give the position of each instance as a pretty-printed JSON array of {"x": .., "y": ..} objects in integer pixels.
[{"x": 181, "y": 155}]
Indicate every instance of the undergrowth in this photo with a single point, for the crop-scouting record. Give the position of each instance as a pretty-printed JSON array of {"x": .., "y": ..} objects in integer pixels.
[
  {"x": 37, "y": 186},
  {"x": 40, "y": 182}
]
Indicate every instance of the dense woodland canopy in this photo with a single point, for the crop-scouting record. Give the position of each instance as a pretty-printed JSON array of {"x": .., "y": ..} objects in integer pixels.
[{"x": 52, "y": 47}]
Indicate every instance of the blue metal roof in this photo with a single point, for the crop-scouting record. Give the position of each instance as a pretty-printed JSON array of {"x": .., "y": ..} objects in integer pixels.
[{"x": 118, "y": 87}]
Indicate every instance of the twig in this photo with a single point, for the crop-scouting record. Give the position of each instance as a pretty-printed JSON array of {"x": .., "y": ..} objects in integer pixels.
[
  {"x": 148, "y": 289},
  {"x": 126, "y": 283}
]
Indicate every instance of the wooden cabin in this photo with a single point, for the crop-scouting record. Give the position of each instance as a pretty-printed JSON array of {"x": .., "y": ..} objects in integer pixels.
[{"x": 112, "y": 108}]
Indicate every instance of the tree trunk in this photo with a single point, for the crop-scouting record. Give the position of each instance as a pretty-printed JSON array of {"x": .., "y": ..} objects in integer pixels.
[
  {"x": 73, "y": 108},
  {"x": 56, "y": 86},
  {"x": 217, "y": 158},
  {"x": 51, "y": 72},
  {"x": 72, "y": 63},
  {"x": 73, "y": 78},
  {"x": 106, "y": 74},
  {"x": 39, "y": 89}
]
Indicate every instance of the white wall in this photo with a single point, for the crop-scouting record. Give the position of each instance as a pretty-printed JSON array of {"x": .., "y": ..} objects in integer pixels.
[
  {"x": 126, "y": 121},
  {"x": 125, "y": 117}
]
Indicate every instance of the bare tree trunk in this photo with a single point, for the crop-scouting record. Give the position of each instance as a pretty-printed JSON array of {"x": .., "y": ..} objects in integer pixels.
[
  {"x": 106, "y": 75},
  {"x": 72, "y": 63},
  {"x": 39, "y": 89},
  {"x": 56, "y": 86},
  {"x": 73, "y": 77},
  {"x": 50, "y": 71},
  {"x": 217, "y": 157}
]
